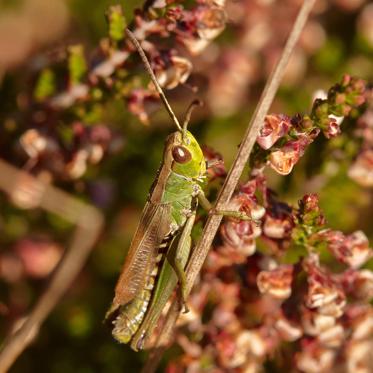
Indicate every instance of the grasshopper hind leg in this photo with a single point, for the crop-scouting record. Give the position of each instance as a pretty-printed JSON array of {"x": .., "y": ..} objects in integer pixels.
[{"x": 178, "y": 266}]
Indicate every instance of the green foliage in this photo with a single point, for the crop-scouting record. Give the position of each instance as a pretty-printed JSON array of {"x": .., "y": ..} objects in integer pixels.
[
  {"x": 77, "y": 64},
  {"x": 117, "y": 23},
  {"x": 330, "y": 56},
  {"x": 45, "y": 85}
]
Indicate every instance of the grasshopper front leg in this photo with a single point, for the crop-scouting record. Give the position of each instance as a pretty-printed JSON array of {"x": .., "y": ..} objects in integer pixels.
[{"x": 206, "y": 204}]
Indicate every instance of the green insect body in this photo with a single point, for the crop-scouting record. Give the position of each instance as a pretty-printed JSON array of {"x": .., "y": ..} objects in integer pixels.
[
  {"x": 179, "y": 251},
  {"x": 162, "y": 242},
  {"x": 170, "y": 208}
]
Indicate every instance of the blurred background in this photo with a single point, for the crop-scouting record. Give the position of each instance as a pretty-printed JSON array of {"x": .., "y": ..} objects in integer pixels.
[{"x": 125, "y": 150}]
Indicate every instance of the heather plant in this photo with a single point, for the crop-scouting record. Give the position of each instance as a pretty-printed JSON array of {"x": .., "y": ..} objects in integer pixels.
[{"x": 290, "y": 289}]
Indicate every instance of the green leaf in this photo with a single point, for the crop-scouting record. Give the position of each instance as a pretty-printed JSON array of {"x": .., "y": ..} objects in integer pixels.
[
  {"x": 45, "y": 86},
  {"x": 117, "y": 23},
  {"x": 77, "y": 64}
]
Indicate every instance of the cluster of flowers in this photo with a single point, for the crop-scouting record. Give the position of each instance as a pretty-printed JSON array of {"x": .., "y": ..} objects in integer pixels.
[
  {"x": 111, "y": 73},
  {"x": 283, "y": 140},
  {"x": 300, "y": 299},
  {"x": 283, "y": 289}
]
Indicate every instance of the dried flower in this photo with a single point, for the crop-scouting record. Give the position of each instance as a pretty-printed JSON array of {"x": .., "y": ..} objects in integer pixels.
[
  {"x": 314, "y": 358},
  {"x": 361, "y": 170},
  {"x": 352, "y": 250},
  {"x": 275, "y": 127},
  {"x": 324, "y": 293},
  {"x": 284, "y": 159},
  {"x": 277, "y": 282}
]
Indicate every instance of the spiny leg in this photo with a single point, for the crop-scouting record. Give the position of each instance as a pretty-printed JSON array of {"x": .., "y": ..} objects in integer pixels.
[
  {"x": 178, "y": 267},
  {"x": 177, "y": 258}
]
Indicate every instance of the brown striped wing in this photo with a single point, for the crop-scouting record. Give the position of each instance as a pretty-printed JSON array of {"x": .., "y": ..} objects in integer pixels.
[{"x": 154, "y": 225}]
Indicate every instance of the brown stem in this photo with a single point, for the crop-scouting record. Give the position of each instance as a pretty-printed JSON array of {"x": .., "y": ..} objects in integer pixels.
[
  {"x": 22, "y": 187},
  {"x": 211, "y": 227}
]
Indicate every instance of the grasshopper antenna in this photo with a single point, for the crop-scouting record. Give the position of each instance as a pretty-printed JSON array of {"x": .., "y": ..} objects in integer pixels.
[
  {"x": 154, "y": 79},
  {"x": 188, "y": 114}
]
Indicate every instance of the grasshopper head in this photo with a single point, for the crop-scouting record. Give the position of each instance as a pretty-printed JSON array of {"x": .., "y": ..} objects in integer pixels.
[{"x": 188, "y": 159}]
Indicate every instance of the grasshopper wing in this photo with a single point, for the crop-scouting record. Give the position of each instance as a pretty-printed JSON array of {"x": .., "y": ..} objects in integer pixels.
[{"x": 153, "y": 227}]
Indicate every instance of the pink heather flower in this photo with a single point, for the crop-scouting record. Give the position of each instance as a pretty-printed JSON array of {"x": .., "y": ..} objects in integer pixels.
[
  {"x": 241, "y": 234},
  {"x": 39, "y": 257},
  {"x": 277, "y": 228},
  {"x": 361, "y": 170},
  {"x": 77, "y": 165},
  {"x": 107, "y": 67},
  {"x": 142, "y": 103},
  {"x": 323, "y": 294},
  {"x": 276, "y": 282},
  {"x": 284, "y": 159},
  {"x": 251, "y": 342},
  {"x": 287, "y": 330},
  {"x": 36, "y": 144},
  {"x": 274, "y": 127},
  {"x": 352, "y": 250},
  {"x": 226, "y": 348},
  {"x": 315, "y": 359},
  {"x": 200, "y": 25},
  {"x": 359, "y": 320},
  {"x": 314, "y": 323},
  {"x": 359, "y": 284},
  {"x": 171, "y": 72},
  {"x": 332, "y": 337},
  {"x": 333, "y": 128},
  {"x": 359, "y": 356}
]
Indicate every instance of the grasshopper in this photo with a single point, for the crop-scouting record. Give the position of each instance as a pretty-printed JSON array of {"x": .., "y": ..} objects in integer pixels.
[{"x": 162, "y": 243}]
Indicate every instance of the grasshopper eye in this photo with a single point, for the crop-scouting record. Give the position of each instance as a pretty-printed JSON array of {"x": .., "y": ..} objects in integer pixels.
[{"x": 181, "y": 154}]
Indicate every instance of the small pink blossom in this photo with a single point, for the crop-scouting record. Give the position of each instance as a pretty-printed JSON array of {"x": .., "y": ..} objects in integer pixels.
[
  {"x": 274, "y": 127},
  {"x": 277, "y": 282},
  {"x": 314, "y": 359},
  {"x": 315, "y": 323},
  {"x": 39, "y": 257},
  {"x": 277, "y": 228},
  {"x": 332, "y": 337},
  {"x": 361, "y": 170},
  {"x": 284, "y": 159},
  {"x": 288, "y": 331},
  {"x": 172, "y": 71},
  {"x": 352, "y": 250},
  {"x": 240, "y": 235},
  {"x": 359, "y": 356},
  {"x": 358, "y": 284},
  {"x": 142, "y": 103},
  {"x": 324, "y": 294},
  {"x": 333, "y": 128}
]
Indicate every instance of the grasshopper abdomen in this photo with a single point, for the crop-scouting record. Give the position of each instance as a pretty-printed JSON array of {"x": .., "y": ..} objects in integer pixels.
[{"x": 130, "y": 316}]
